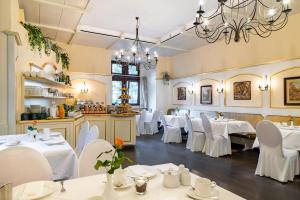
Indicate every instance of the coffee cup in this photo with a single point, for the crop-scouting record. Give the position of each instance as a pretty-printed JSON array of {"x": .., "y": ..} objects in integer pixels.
[{"x": 204, "y": 187}]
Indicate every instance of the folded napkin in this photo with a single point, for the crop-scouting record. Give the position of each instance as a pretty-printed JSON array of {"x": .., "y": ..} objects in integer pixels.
[
  {"x": 33, "y": 190},
  {"x": 166, "y": 167},
  {"x": 138, "y": 170}
]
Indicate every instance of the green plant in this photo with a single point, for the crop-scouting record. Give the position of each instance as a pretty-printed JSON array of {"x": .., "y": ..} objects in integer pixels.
[
  {"x": 38, "y": 41},
  {"x": 166, "y": 78},
  {"x": 118, "y": 158}
]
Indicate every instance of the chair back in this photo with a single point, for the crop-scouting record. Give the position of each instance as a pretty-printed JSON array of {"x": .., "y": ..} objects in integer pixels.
[
  {"x": 269, "y": 137},
  {"x": 155, "y": 117},
  {"x": 84, "y": 130},
  {"x": 207, "y": 126},
  {"x": 92, "y": 135},
  {"x": 89, "y": 154},
  {"x": 141, "y": 123},
  {"x": 189, "y": 128},
  {"x": 163, "y": 119},
  {"x": 22, "y": 164}
]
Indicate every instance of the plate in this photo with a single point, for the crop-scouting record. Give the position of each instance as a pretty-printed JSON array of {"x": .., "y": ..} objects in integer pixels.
[
  {"x": 141, "y": 170},
  {"x": 129, "y": 184},
  {"x": 54, "y": 142},
  {"x": 193, "y": 195},
  {"x": 54, "y": 134},
  {"x": 34, "y": 190},
  {"x": 12, "y": 144},
  {"x": 45, "y": 139}
]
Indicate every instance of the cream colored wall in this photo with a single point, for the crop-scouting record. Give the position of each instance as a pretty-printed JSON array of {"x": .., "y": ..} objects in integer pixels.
[
  {"x": 88, "y": 59},
  {"x": 3, "y": 84},
  {"x": 280, "y": 46},
  {"x": 163, "y": 65},
  {"x": 197, "y": 91}
]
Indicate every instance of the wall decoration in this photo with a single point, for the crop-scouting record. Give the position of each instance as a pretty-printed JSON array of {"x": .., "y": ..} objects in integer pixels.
[
  {"x": 181, "y": 93},
  {"x": 242, "y": 90},
  {"x": 206, "y": 94},
  {"x": 292, "y": 91}
]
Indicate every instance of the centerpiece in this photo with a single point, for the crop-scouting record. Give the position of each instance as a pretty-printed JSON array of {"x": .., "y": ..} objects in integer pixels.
[
  {"x": 111, "y": 166},
  {"x": 124, "y": 106}
]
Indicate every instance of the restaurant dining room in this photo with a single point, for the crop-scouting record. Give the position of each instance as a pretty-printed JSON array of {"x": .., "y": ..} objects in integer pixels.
[{"x": 149, "y": 100}]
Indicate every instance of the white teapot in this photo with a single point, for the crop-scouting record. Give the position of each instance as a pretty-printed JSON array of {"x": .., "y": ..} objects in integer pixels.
[
  {"x": 204, "y": 187},
  {"x": 171, "y": 179}
]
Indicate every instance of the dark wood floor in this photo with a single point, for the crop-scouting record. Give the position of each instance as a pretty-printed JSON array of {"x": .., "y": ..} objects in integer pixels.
[{"x": 234, "y": 173}]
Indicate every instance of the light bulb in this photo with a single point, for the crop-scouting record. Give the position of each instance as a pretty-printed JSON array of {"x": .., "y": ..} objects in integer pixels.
[
  {"x": 271, "y": 12},
  {"x": 197, "y": 15},
  {"x": 117, "y": 53},
  {"x": 285, "y": 2},
  {"x": 122, "y": 51},
  {"x": 128, "y": 57},
  {"x": 147, "y": 50},
  {"x": 201, "y": 2},
  {"x": 206, "y": 22},
  {"x": 226, "y": 24},
  {"x": 133, "y": 49}
]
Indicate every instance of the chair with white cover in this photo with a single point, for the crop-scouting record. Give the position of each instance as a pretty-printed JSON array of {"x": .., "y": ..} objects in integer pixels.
[
  {"x": 171, "y": 134},
  {"x": 84, "y": 131},
  {"x": 274, "y": 161},
  {"x": 151, "y": 127},
  {"x": 92, "y": 135},
  {"x": 215, "y": 144},
  {"x": 141, "y": 123},
  {"x": 22, "y": 164},
  {"x": 87, "y": 159},
  {"x": 196, "y": 139}
]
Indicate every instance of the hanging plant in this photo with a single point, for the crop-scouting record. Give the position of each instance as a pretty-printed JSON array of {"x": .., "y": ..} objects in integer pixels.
[
  {"x": 38, "y": 41},
  {"x": 166, "y": 78}
]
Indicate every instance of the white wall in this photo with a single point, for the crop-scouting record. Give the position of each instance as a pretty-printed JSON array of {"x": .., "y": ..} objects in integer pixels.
[
  {"x": 151, "y": 82},
  {"x": 261, "y": 70},
  {"x": 3, "y": 84}
]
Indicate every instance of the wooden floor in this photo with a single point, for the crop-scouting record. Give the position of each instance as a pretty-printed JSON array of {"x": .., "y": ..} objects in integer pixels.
[{"x": 234, "y": 173}]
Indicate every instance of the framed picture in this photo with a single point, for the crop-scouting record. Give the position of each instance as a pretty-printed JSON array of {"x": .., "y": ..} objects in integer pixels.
[
  {"x": 181, "y": 93},
  {"x": 292, "y": 91},
  {"x": 242, "y": 90},
  {"x": 206, "y": 94}
]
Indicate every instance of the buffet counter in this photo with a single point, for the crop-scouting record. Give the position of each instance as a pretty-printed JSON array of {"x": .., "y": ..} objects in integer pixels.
[{"x": 111, "y": 126}]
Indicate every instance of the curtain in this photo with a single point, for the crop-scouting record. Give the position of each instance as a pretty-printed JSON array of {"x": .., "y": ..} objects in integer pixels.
[{"x": 144, "y": 93}]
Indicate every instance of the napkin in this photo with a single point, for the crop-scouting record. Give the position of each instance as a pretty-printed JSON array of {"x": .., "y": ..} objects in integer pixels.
[
  {"x": 138, "y": 170},
  {"x": 33, "y": 190}
]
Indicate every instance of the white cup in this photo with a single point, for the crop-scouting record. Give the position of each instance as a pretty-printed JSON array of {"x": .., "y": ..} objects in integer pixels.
[
  {"x": 204, "y": 187},
  {"x": 46, "y": 130}
]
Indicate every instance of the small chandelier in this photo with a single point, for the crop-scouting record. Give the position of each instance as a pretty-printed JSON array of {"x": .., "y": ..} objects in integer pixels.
[
  {"x": 236, "y": 19},
  {"x": 137, "y": 54}
]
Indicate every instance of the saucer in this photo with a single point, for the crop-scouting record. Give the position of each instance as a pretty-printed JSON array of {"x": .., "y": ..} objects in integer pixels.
[
  {"x": 214, "y": 195},
  {"x": 128, "y": 185}
]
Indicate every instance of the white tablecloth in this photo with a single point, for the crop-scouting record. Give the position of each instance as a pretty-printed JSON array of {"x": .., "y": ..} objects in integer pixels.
[
  {"x": 87, "y": 187},
  {"x": 224, "y": 127},
  {"x": 176, "y": 121},
  {"x": 61, "y": 158},
  {"x": 290, "y": 138}
]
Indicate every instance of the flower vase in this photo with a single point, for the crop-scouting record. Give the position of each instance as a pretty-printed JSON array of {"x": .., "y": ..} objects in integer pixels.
[{"x": 109, "y": 193}]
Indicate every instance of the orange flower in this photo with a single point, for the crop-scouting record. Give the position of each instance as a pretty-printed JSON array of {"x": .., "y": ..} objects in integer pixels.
[
  {"x": 119, "y": 143},
  {"x": 34, "y": 122}
]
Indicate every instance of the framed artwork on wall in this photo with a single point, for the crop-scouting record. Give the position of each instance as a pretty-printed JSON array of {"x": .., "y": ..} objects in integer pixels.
[
  {"x": 292, "y": 91},
  {"x": 181, "y": 93},
  {"x": 242, "y": 90},
  {"x": 206, "y": 94}
]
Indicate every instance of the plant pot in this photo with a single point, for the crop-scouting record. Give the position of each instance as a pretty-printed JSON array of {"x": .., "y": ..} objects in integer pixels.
[{"x": 109, "y": 193}]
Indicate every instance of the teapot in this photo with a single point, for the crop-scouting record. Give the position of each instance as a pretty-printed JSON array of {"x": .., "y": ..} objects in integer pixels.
[
  {"x": 6, "y": 191},
  {"x": 171, "y": 179}
]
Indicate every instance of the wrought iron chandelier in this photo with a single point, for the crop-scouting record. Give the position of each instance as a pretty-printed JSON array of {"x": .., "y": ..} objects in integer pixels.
[
  {"x": 138, "y": 54},
  {"x": 236, "y": 19}
]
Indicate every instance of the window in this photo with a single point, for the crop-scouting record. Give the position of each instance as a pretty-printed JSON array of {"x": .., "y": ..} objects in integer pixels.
[{"x": 125, "y": 75}]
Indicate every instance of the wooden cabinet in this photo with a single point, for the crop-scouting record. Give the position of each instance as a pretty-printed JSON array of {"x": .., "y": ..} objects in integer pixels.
[
  {"x": 123, "y": 128},
  {"x": 102, "y": 123}
]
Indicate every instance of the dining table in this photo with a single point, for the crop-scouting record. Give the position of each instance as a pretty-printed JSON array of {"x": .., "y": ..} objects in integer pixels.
[
  {"x": 61, "y": 156},
  {"x": 290, "y": 137},
  {"x": 91, "y": 188},
  {"x": 175, "y": 120}
]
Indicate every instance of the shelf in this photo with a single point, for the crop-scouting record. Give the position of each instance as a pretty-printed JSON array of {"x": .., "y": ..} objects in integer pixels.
[
  {"x": 47, "y": 81},
  {"x": 43, "y": 97}
]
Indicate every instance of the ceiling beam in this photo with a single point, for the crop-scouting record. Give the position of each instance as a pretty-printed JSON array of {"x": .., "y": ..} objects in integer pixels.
[
  {"x": 61, "y": 5},
  {"x": 52, "y": 27}
]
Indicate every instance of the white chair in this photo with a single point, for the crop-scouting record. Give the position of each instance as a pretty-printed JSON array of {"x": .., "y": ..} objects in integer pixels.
[
  {"x": 92, "y": 135},
  {"x": 274, "y": 161},
  {"x": 171, "y": 134},
  {"x": 141, "y": 123},
  {"x": 22, "y": 164},
  {"x": 84, "y": 130},
  {"x": 215, "y": 145},
  {"x": 196, "y": 139},
  {"x": 89, "y": 154},
  {"x": 151, "y": 127}
]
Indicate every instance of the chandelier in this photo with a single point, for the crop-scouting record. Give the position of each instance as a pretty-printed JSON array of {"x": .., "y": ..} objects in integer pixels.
[
  {"x": 236, "y": 19},
  {"x": 138, "y": 54}
]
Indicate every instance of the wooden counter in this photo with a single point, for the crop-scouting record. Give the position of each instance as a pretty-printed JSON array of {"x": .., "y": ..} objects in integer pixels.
[{"x": 111, "y": 126}]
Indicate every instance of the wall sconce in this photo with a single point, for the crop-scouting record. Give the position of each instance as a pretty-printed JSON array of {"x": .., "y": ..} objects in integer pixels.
[
  {"x": 84, "y": 88},
  {"x": 264, "y": 86},
  {"x": 191, "y": 91},
  {"x": 220, "y": 87}
]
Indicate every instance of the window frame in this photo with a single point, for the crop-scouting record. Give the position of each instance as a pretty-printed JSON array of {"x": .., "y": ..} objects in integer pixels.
[{"x": 126, "y": 77}]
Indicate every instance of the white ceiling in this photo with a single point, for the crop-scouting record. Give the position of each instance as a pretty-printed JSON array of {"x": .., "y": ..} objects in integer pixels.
[{"x": 64, "y": 20}]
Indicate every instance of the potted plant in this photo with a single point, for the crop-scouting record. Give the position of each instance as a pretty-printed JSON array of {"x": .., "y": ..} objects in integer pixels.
[{"x": 166, "y": 78}]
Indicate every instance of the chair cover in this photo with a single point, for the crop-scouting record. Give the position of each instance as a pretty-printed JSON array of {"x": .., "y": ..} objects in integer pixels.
[
  {"x": 92, "y": 135},
  {"x": 22, "y": 164},
  {"x": 171, "y": 134},
  {"x": 274, "y": 161},
  {"x": 196, "y": 139},
  {"x": 84, "y": 130},
  {"x": 88, "y": 157},
  {"x": 151, "y": 127},
  {"x": 141, "y": 123},
  {"x": 215, "y": 145}
]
